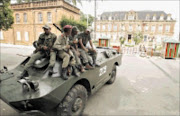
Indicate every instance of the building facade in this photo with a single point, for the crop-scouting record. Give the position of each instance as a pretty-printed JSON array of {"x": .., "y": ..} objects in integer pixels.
[
  {"x": 30, "y": 17},
  {"x": 151, "y": 25}
]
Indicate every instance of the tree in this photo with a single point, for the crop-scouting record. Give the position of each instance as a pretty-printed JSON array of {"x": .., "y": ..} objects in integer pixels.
[
  {"x": 79, "y": 24},
  {"x": 83, "y": 18},
  {"x": 122, "y": 39},
  {"x": 138, "y": 37},
  {"x": 6, "y": 15}
]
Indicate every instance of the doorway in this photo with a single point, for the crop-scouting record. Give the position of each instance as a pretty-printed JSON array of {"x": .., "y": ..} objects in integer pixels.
[{"x": 129, "y": 38}]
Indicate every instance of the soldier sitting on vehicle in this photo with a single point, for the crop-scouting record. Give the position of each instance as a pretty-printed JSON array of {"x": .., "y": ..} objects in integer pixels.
[
  {"x": 44, "y": 49},
  {"x": 64, "y": 52},
  {"x": 73, "y": 42},
  {"x": 84, "y": 38}
]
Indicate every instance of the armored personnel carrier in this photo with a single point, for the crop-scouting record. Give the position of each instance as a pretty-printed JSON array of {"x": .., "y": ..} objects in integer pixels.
[{"x": 40, "y": 93}]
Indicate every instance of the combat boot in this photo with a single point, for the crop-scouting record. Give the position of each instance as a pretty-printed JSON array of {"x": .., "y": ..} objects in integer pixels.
[
  {"x": 50, "y": 71},
  {"x": 95, "y": 64},
  {"x": 23, "y": 74},
  {"x": 82, "y": 69},
  {"x": 64, "y": 74},
  {"x": 75, "y": 72},
  {"x": 88, "y": 67}
]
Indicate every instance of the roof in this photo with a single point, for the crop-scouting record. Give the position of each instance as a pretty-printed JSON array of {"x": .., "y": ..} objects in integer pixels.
[
  {"x": 171, "y": 41},
  {"x": 120, "y": 15}
]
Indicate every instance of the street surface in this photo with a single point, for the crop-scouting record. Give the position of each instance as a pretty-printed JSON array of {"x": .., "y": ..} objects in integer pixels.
[{"x": 144, "y": 86}]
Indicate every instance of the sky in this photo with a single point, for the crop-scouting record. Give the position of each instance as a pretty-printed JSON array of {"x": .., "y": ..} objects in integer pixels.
[{"x": 168, "y": 6}]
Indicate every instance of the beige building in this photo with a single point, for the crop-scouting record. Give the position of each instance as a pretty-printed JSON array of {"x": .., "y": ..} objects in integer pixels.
[
  {"x": 152, "y": 25},
  {"x": 30, "y": 17}
]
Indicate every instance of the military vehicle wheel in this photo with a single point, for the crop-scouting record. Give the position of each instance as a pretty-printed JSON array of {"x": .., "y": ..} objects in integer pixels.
[
  {"x": 74, "y": 102},
  {"x": 113, "y": 75}
]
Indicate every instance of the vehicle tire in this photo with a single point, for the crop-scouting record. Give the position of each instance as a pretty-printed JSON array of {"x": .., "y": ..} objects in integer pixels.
[
  {"x": 113, "y": 75},
  {"x": 74, "y": 102}
]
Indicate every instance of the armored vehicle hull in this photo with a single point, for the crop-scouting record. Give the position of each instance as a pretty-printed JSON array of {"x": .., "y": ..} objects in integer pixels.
[{"x": 53, "y": 93}]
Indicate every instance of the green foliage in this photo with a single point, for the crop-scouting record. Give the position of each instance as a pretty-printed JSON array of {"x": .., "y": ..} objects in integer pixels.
[
  {"x": 83, "y": 18},
  {"x": 6, "y": 15},
  {"x": 79, "y": 24},
  {"x": 138, "y": 37},
  {"x": 122, "y": 39},
  {"x": 129, "y": 45}
]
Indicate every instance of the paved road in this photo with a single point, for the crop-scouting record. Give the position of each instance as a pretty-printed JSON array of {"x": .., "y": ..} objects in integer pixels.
[{"x": 144, "y": 86}]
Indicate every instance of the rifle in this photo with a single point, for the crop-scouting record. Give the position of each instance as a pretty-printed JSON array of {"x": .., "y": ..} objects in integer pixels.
[{"x": 58, "y": 28}]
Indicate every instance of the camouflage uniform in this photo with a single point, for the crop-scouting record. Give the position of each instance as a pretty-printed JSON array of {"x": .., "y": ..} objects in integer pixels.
[
  {"x": 85, "y": 39},
  {"x": 63, "y": 52},
  {"x": 71, "y": 40},
  {"x": 44, "y": 40}
]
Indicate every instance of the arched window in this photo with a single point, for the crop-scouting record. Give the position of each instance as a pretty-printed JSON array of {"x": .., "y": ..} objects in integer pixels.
[
  {"x": 17, "y": 18},
  {"x": 40, "y": 18},
  {"x": 49, "y": 17},
  {"x": 25, "y": 17}
]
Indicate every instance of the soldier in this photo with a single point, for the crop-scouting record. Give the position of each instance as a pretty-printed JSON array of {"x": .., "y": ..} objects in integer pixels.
[
  {"x": 64, "y": 52},
  {"x": 84, "y": 38},
  {"x": 74, "y": 47},
  {"x": 44, "y": 49}
]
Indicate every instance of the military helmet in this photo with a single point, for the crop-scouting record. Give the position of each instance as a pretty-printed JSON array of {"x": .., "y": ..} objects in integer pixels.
[
  {"x": 74, "y": 28},
  {"x": 46, "y": 26}
]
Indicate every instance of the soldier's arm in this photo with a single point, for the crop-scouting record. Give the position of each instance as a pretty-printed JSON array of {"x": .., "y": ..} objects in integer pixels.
[
  {"x": 40, "y": 42},
  {"x": 58, "y": 45},
  {"x": 90, "y": 41},
  {"x": 81, "y": 44}
]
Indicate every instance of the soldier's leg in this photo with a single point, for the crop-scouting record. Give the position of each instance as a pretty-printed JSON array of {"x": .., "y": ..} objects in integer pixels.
[
  {"x": 94, "y": 56},
  {"x": 73, "y": 60},
  {"x": 52, "y": 62},
  {"x": 30, "y": 63},
  {"x": 78, "y": 62},
  {"x": 33, "y": 58},
  {"x": 52, "y": 59},
  {"x": 63, "y": 55},
  {"x": 84, "y": 56},
  {"x": 73, "y": 63}
]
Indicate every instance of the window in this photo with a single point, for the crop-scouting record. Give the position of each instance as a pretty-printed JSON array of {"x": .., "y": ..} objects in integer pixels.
[
  {"x": 115, "y": 27},
  {"x": 147, "y": 17},
  {"x": 109, "y": 27},
  {"x": 130, "y": 17},
  {"x": 130, "y": 28},
  {"x": 110, "y": 18},
  {"x": 146, "y": 28},
  {"x": 18, "y": 36},
  {"x": 98, "y": 27},
  {"x": 40, "y": 18},
  {"x": 162, "y": 18},
  {"x": 17, "y": 18},
  {"x": 25, "y": 18},
  {"x": 153, "y": 28},
  {"x": 154, "y": 18},
  {"x": 167, "y": 28},
  {"x": 26, "y": 36},
  {"x": 104, "y": 27},
  {"x": 160, "y": 28},
  {"x": 123, "y": 27},
  {"x": 114, "y": 37},
  {"x": 138, "y": 27},
  {"x": 1, "y": 35},
  {"x": 49, "y": 17},
  {"x": 169, "y": 18}
]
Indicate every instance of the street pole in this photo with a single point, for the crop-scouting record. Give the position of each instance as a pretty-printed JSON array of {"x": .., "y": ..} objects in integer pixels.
[
  {"x": 87, "y": 21},
  {"x": 94, "y": 19}
]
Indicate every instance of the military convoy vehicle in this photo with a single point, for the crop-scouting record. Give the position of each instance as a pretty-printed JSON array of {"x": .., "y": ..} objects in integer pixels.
[{"x": 40, "y": 93}]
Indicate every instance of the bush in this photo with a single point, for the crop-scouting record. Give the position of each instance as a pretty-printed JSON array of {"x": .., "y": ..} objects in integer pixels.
[{"x": 79, "y": 24}]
